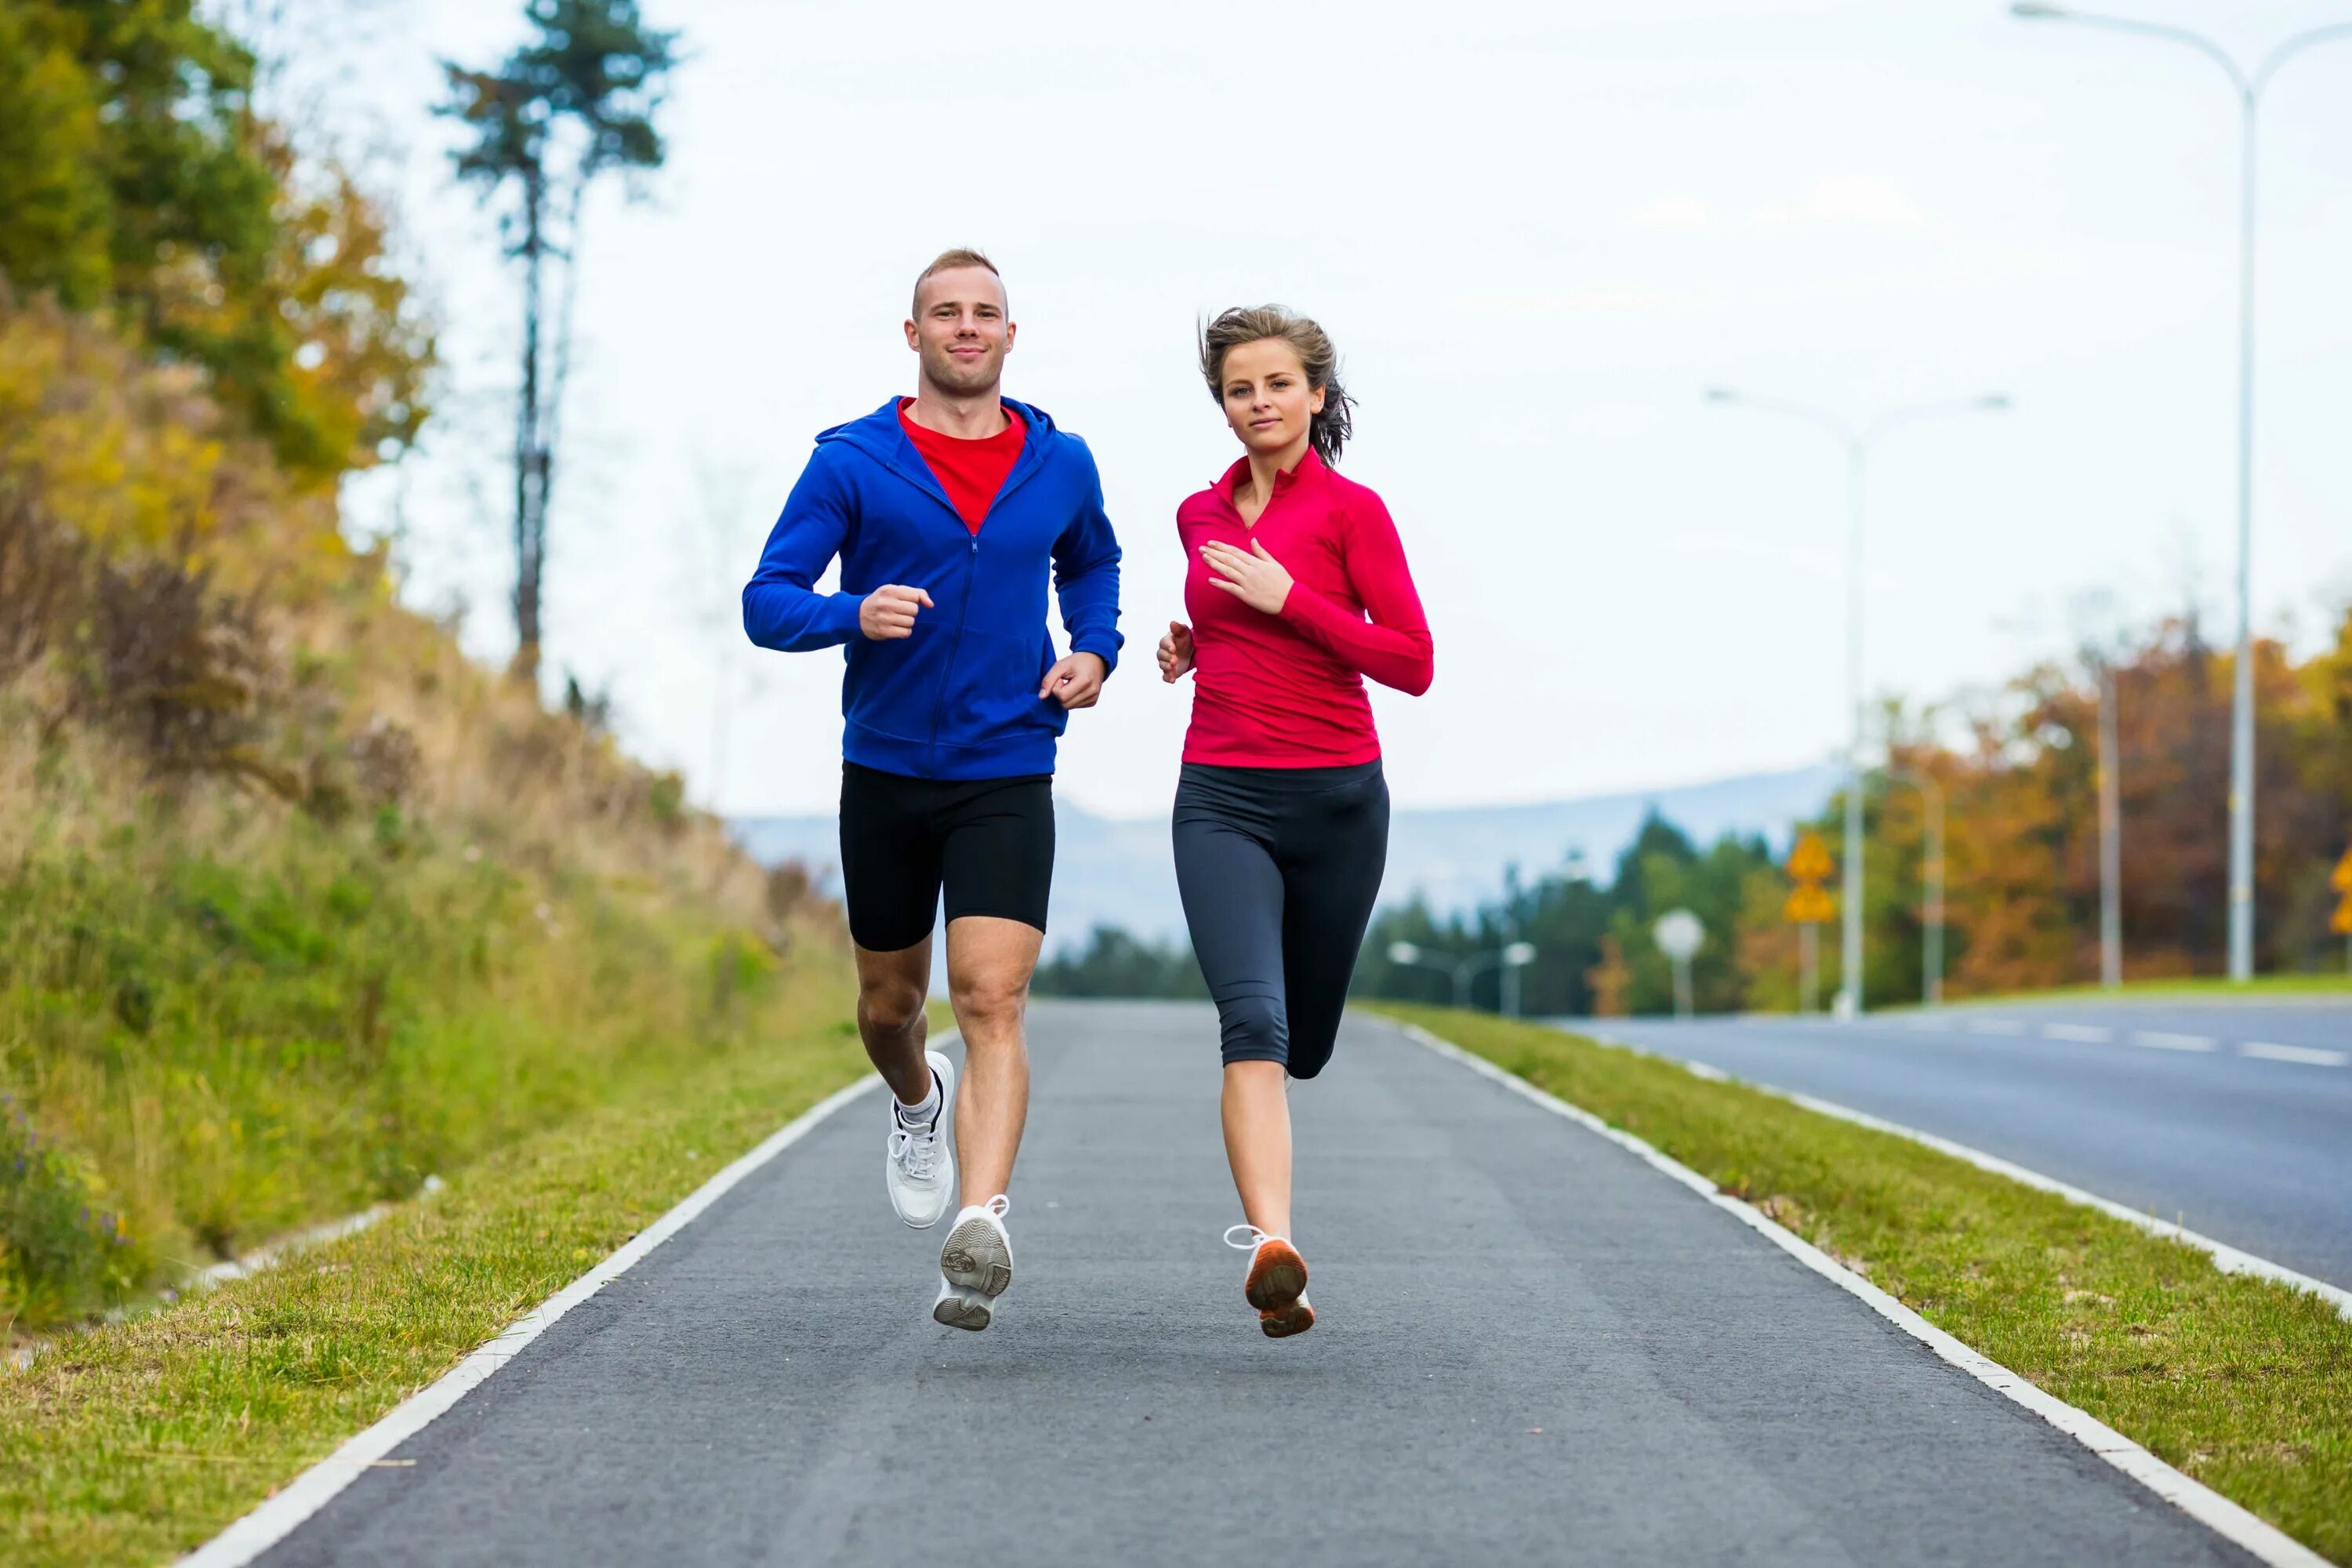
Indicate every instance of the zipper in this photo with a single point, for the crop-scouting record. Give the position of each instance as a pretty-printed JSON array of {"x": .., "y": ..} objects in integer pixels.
[{"x": 955, "y": 648}]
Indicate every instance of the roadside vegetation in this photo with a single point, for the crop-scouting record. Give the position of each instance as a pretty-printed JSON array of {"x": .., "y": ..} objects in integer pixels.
[
  {"x": 2243, "y": 1384},
  {"x": 298, "y": 905},
  {"x": 137, "y": 1443}
]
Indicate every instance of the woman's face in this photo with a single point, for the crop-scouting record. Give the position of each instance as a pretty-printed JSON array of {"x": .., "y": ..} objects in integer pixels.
[{"x": 1267, "y": 400}]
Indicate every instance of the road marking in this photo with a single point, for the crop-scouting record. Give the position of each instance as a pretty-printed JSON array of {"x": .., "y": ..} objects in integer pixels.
[
  {"x": 2266, "y": 1541},
  {"x": 2164, "y": 1040},
  {"x": 1995, "y": 1026},
  {"x": 2096, "y": 1033},
  {"x": 307, "y": 1493},
  {"x": 2310, "y": 1056}
]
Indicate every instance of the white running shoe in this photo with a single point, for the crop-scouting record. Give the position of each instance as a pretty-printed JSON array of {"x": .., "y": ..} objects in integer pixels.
[
  {"x": 961, "y": 1308},
  {"x": 975, "y": 1265},
  {"x": 919, "y": 1169}
]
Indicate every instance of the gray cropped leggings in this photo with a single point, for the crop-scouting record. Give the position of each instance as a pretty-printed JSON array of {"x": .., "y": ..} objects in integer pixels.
[{"x": 1279, "y": 869}]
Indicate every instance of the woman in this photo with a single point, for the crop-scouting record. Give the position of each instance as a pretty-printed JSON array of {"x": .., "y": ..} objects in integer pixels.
[{"x": 1282, "y": 815}]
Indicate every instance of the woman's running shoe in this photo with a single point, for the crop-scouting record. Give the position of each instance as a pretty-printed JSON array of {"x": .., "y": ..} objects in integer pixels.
[
  {"x": 975, "y": 1265},
  {"x": 920, "y": 1168},
  {"x": 1276, "y": 1282}
]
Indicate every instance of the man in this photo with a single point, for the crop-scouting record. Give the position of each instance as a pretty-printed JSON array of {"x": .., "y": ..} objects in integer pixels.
[{"x": 947, "y": 511}]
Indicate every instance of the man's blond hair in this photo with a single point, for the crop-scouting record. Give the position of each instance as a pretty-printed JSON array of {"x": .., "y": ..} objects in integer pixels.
[{"x": 949, "y": 261}]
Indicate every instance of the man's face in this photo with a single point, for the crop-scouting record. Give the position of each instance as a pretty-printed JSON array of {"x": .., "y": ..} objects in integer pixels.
[{"x": 960, "y": 330}]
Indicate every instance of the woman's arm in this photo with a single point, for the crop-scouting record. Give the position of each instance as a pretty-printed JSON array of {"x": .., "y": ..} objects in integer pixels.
[{"x": 1394, "y": 647}]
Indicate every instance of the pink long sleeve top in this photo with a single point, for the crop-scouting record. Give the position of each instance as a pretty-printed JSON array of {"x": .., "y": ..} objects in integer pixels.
[{"x": 1287, "y": 690}]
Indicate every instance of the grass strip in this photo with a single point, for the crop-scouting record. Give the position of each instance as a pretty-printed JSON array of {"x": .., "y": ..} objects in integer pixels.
[
  {"x": 2242, "y": 1383},
  {"x": 135, "y": 1443}
]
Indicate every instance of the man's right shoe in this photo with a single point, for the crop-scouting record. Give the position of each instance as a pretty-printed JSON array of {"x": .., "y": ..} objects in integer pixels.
[
  {"x": 919, "y": 1166},
  {"x": 975, "y": 1265}
]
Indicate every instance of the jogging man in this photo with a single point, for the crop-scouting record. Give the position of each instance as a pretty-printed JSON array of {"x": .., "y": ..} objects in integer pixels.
[{"x": 949, "y": 511}]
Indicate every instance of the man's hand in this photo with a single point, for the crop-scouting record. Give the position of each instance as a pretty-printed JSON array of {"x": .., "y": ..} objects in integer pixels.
[
  {"x": 1176, "y": 652},
  {"x": 889, "y": 612},
  {"x": 1256, "y": 579},
  {"x": 1075, "y": 680}
]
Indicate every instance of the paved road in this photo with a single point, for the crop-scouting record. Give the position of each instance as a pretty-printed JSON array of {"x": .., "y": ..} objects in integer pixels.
[
  {"x": 2236, "y": 1118},
  {"x": 1533, "y": 1349}
]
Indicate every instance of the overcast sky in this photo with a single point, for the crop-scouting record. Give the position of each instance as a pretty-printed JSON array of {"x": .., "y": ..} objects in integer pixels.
[{"x": 1537, "y": 231}]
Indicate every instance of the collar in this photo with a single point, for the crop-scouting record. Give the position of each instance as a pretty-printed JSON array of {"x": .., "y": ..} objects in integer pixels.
[{"x": 1309, "y": 469}]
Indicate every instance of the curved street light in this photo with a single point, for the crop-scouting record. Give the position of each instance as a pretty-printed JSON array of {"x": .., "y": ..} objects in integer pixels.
[
  {"x": 1857, "y": 442},
  {"x": 1514, "y": 958},
  {"x": 2250, "y": 85}
]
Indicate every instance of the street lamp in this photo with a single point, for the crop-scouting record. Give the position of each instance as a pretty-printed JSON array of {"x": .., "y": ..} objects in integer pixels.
[
  {"x": 1857, "y": 442},
  {"x": 1931, "y": 967},
  {"x": 2250, "y": 85},
  {"x": 1513, "y": 959}
]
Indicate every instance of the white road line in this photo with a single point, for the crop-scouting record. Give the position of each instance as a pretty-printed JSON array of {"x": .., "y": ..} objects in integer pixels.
[
  {"x": 311, "y": 1490},
  {"x": 2164, "y": 1040},
  {"x": 2266, "y": 1541},
  {"x": 1995, "y": 1026},
  {"x": 2096, "y": 1033},
  {"x": 2310, "y": 1056}
]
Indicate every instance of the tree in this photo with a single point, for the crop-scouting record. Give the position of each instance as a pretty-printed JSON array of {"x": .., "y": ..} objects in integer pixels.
[
  {"x": 137, "y": 178},
  {"x": 574, "y": 103}
]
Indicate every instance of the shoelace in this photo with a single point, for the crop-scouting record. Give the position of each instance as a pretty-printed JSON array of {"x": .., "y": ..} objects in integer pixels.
[
  {"x": 999, "y": 1205},
  {"x": 1252, "y": 1237},
  {"x": 917, "y": 1151}
]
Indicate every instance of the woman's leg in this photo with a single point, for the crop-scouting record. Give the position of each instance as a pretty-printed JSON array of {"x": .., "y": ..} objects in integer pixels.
[
  {"x": 1255, "y": 1110},
  {"x": 1233, "y": 902},
  {"x": 1334, "y": 847}
]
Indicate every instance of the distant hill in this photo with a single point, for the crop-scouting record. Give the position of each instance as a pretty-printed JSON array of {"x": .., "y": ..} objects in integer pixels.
[{"x": 1116, "y": 871}]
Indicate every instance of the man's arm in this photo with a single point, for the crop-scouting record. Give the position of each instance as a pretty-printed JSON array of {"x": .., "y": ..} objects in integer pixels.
[
  {"x": 1086, "y": 579},
  {"x": 780, "y": 609}
]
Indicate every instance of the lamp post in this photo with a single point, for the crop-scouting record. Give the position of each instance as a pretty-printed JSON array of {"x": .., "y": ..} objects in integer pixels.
[
  {"x": 1931, "y": 967},
  {"x": 1512, "y": 958},
  {"x": 2250, "y": 85},
  {"x": 1857, "y": 442}
]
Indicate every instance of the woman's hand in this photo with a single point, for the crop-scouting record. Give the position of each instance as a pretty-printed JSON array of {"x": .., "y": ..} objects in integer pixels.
[
  {"x": 1176, "y": 652},
  {"x": 1256, "y": 579}
]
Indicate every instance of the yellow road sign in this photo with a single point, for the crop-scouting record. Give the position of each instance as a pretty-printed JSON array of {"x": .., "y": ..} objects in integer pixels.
[
  {"x": 2342, "y": 882},
  {"x": 1809, "y": 906},
  {"x": 1809, "y": 860}
]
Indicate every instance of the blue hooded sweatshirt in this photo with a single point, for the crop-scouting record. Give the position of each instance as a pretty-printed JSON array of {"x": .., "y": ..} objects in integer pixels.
[{"x": 957, "y": 699}]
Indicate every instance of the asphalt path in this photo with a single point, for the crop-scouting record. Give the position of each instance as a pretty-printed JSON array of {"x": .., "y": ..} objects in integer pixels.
[
  {"x": 1532, "y": 1348},
  {"x": 2234, "y": 1119}
]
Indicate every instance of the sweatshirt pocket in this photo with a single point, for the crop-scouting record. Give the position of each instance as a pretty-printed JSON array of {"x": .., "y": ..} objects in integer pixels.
[{"x": 993, "y": 688}]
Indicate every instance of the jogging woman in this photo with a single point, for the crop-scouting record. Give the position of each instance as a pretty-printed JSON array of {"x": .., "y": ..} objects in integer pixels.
[{"x": 1282, "y": 814}]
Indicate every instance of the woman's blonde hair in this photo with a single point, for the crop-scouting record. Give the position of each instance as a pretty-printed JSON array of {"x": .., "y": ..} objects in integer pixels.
[{"x": 1327, "y": 431}]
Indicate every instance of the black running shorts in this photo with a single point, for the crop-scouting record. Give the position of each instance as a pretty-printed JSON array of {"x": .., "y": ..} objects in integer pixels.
[{"x": 990, "y": 842}]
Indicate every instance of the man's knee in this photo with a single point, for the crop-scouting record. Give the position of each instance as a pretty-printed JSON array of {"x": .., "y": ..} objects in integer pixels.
[
  {"x": 1253, "y": 1028},
  {"x": 989, "y": 996},
  {"x": 889, "y": 1004}
]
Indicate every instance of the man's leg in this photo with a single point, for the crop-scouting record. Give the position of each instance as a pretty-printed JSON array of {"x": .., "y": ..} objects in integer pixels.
[
  {"x": 990, "y": 960},
  {"x": 891, "y": 1021}
]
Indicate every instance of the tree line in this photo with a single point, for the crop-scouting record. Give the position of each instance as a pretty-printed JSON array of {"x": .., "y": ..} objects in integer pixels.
[{"x": 2018, "y": 770}]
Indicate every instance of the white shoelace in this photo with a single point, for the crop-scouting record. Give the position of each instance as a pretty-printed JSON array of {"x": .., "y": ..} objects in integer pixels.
[
  {"x": 999, "y": 1205},
  {"x": 915, "y": 1150},
  {"x": 1252, "y": 1237}
]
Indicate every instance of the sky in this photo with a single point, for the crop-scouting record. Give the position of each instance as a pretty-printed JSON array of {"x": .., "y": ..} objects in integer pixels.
[{"x": 1538, "y": 232}]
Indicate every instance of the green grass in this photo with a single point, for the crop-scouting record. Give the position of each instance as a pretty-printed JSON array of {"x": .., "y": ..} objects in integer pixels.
[
  {"x": 2244, "y": 1384},
  {"x": 202, "y": 1046},
  {"x": 135, "y": 1443}
]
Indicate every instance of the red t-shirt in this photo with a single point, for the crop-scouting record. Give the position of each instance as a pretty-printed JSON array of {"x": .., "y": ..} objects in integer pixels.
[
  {"x": 971, "y": 472},
  {"x": 1288, "y": 691}
]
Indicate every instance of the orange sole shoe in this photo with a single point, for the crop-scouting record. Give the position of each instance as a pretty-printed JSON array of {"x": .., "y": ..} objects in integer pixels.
[
  {"x": 1283, "y": 1322},
  {"x": 1276, "y": 1287}
]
